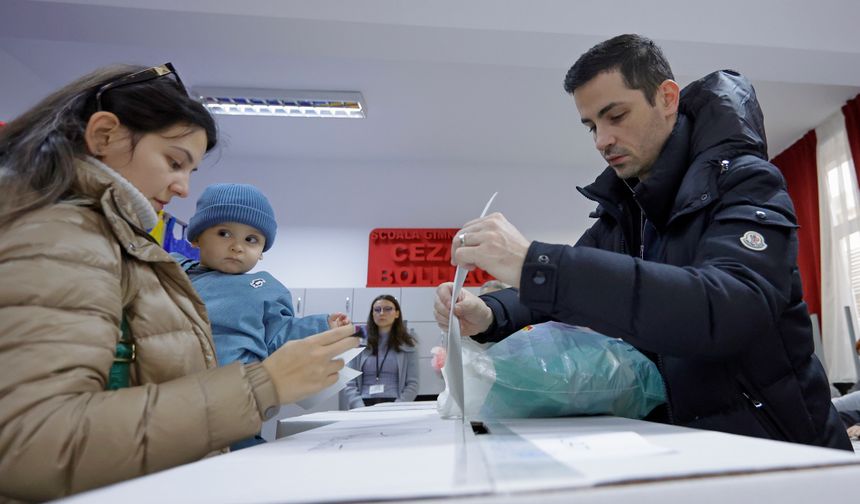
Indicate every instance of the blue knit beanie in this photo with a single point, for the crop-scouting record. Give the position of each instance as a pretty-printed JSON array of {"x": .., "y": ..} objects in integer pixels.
[{"x": 240, "y": 203}]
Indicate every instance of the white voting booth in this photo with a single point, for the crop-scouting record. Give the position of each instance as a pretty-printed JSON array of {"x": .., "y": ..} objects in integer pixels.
[{"x": 403, "y": 451}]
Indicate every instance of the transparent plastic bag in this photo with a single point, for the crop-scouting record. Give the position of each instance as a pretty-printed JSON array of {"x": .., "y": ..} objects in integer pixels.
[
  {"x": 478, "y": 378},
  {"x": 553, "y": 369}
]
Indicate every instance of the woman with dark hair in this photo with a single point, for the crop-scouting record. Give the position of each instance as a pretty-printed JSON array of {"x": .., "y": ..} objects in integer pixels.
[
  {"x": 389, "y": 363},
  {"x": 109, "y": 370}
]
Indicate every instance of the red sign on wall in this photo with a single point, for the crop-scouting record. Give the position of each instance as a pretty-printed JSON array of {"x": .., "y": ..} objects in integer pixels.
[{"x": 414, "y": 257}]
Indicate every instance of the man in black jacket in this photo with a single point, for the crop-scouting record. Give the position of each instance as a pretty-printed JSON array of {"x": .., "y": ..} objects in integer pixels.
[{"x": 692, "y": 257}]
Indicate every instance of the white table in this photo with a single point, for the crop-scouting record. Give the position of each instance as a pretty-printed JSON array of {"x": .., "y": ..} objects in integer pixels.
[{"x": 402, "y": 451}]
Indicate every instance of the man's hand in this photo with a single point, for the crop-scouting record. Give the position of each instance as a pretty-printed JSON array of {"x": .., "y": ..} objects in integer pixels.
[
  {"x": 474, "y": 315},
  {"x": 492, "y": 244},
  {"x": 301, "y": 368},
  {"x": 338, "y": 319}
]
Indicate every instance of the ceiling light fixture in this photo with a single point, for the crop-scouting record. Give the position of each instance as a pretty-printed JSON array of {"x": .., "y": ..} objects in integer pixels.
[{"x": 282, "y": 103}]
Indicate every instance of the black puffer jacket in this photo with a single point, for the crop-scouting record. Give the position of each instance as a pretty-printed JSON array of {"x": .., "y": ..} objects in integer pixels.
[{"x": 715, "y": 296}]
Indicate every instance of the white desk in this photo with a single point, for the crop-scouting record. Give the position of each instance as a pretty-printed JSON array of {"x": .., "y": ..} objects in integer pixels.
[{"x": 398, "y": 453}]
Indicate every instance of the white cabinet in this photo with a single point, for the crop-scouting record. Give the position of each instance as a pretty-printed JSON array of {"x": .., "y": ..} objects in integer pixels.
[
  {"x": 428, "y": 335},
  {"x": 328, "y": 301},
  {"x": 429, "y": 380},
  {"x": 417, "y": 304},
  {"x": 298, "y": 296}
]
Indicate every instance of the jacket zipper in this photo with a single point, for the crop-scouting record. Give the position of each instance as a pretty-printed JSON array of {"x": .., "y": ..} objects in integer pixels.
[
  {"x": 669, "y": 412},
  {"x": 641, "y": 221},
  {"x": 660, "y": 367},
  {"x": 768, "y": 421}
]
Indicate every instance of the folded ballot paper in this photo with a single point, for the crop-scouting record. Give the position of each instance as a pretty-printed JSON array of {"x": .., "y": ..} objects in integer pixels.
[
  {"x": 343, "y": 376},
  {"x": 451, "y": 401}
]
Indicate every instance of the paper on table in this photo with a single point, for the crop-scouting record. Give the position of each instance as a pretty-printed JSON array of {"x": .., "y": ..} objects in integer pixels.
[
  {"x": 614, "y": 445},
  {"x": 452, "y": 371},
  {"x": 343, "y": 376}
]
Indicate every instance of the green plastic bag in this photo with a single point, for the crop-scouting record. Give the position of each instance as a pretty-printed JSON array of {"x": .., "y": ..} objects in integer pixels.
[{"x": 553, "y": 369}]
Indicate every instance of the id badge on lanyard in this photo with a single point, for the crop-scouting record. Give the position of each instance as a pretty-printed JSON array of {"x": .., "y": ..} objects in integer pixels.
[{"x": 379, "y": 388}]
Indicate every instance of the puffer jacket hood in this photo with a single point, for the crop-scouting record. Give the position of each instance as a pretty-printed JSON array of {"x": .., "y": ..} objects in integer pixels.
[{"x": 726, "y": 116}]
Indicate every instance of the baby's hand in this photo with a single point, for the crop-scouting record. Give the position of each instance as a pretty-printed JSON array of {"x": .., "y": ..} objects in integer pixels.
[
  {"x": 854, "y": 431},
  {"x": 338, "y": 319}
]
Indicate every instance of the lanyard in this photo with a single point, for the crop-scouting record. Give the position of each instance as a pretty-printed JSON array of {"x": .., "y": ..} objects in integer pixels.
[{"x": 380, "y": 364}]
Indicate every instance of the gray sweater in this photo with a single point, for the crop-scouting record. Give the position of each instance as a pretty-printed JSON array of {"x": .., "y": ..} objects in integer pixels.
[{"x": 407, "y": 376}]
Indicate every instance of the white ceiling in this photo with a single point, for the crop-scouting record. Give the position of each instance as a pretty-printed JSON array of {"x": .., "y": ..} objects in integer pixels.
[{"x": 451, "y": 84}]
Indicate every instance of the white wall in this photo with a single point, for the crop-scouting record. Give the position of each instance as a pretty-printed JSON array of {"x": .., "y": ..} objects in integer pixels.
[{"x": 326, "y": 211}]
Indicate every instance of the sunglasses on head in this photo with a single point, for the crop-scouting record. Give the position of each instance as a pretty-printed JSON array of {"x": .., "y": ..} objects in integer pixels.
[{"x": 138, "y": 77}]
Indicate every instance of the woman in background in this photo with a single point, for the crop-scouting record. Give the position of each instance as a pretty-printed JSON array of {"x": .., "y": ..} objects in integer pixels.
[{"x": 389, "y": 363}]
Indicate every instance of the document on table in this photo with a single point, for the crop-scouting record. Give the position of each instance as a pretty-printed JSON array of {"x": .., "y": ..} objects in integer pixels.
[
  {"x": 453, "y": 368},
  {"x": 343, "y": 376},
  {"x": 614, "y": 445}
]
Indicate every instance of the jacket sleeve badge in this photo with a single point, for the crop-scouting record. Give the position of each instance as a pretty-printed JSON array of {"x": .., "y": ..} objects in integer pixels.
[{"x": 753, "y": 241}]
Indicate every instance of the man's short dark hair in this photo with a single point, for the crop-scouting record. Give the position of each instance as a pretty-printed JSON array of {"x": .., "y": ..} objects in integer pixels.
[{"x": 639, "y": 59}]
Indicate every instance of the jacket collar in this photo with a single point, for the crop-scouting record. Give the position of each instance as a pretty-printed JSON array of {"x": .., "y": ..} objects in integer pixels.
[
  {"x": 128, "y": 212},
  {"x": 726, "y": 116},
  {"x": 94, "y": 177},
  {"x": 655, "y": 194}
]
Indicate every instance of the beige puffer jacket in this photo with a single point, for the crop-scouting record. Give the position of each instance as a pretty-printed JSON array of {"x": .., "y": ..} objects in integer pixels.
[{"x": 67, "y": 273}]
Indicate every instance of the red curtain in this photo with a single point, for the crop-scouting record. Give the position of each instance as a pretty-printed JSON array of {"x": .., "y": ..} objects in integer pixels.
[
  {"x": 851, "y": 111},
  {"x": 799, "y": 166}
]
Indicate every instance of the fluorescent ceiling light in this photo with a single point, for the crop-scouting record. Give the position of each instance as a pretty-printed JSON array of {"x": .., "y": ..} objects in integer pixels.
[{"x": 282, "y": 103}]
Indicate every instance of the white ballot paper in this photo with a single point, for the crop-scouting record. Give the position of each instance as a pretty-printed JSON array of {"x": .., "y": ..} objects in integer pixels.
[
  {"x": 452, "y": 371},
  {"x": 343, "y": 376},
  {"x": 572, "y": 450}
]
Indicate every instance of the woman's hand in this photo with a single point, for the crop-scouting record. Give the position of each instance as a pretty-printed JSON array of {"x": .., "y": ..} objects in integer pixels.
[
  {"x": 301, "y": 368},
  {"x": 338, "y": 319}
]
